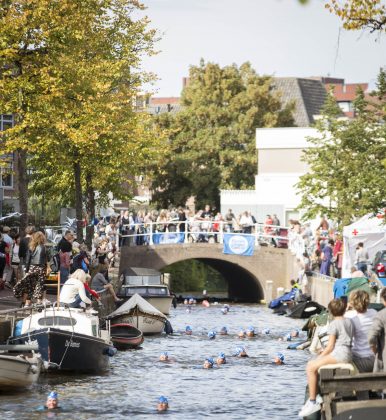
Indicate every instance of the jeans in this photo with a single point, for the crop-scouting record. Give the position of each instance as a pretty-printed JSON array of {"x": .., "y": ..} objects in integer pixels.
[{"x": 64, "y": 273}]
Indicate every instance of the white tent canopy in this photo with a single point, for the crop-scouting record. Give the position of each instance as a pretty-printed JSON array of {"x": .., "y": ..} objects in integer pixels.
[
  {"x": 370, "y": 230},
  {"x": 136, "y": 301}
]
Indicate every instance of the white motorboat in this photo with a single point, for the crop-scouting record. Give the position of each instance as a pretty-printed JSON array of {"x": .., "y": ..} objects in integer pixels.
[
  {"x": 69, "y": 339},
  {"x": 20, "y": 366},
  {"x": 148, "y": 283},
  {"x": 138, "y": 312}
]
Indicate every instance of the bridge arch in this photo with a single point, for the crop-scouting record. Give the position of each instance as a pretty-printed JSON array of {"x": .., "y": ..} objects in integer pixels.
[{"x": 246, "y": 276}]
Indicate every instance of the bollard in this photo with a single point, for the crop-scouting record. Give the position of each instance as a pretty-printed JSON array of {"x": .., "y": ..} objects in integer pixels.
[
  {"x": 279, "y": 291},
  {"x": 268, "y": 291}
]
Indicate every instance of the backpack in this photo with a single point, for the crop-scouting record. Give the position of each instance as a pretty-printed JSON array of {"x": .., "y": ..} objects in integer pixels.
[{"x": 55, "y": 263}]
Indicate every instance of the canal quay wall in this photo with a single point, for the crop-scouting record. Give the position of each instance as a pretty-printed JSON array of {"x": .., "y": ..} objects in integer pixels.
[
  {"x": 269, "y": 268},
  {"x": 321, "y": 288}
]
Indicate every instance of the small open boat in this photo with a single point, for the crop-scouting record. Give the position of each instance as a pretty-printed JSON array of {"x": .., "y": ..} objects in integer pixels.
[
  {"x": 19, "y": 366},
  {"x": 138, "y": 312},
  {"x": 125, "y": 336}
]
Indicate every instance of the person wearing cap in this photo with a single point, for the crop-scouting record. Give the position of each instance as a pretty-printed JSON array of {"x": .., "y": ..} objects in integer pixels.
[
  {"x": 51, "y": 402},
  {"x": 240, "y": 352},
  {"x": 163, "y": 403},
  {"x": 287, "y": 337},
  {"x": 164, "y": 357},
  {"x": 188, "y": 330},
  {"x": 278, "y": 359},
  {"x": 224, "y": 311},
  {"x": 224, "y": 331},
  {"x": 241, "y": 334},
  {"x": 226, "y": 306},
  {"x": 208, "y": 363},
  {"x": 295, "y": 333},
  {"x": 250, "y": 332},
  {"x": 211, "y": 335},
  {"x": 265, "y": 331},
  {"x": 221, "y": 360}
]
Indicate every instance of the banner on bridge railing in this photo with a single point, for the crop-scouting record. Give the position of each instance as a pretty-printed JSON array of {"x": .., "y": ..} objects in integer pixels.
[
  {"x": 239, "y": 244},
  {"x": 168, "y": 238}
]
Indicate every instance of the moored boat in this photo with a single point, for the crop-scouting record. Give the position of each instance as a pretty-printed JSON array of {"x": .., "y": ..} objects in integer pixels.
[
  {"x": 138, "y": 312},
  {"x": 20, "y": 367},
  {"x": 126, "y": 336},
  {"x": 148, "y": 283},
  {"x": 68, "y": 339}
]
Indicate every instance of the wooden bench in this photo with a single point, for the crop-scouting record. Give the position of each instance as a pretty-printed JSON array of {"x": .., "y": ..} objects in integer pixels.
[{"x": 337, "y": 383}]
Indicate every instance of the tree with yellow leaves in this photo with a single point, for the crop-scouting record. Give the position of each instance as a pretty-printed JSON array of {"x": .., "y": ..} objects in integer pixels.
[{"x": 70, "y": 73}]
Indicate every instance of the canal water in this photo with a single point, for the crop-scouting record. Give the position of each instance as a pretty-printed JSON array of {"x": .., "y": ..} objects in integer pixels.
[{"x": 250, "y": 388}]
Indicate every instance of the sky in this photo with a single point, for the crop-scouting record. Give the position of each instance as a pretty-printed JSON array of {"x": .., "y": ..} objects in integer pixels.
[{"x": 279, "y": 38}]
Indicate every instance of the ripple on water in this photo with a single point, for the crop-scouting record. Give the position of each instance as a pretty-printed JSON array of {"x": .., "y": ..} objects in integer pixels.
[{"x": 250, "y": 388}]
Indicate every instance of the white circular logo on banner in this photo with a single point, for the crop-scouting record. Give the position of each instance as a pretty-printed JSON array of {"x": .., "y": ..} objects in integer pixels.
[{"x": 238, "y": 244}]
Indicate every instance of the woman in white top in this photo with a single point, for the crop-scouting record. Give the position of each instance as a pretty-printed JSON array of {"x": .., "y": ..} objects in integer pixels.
[
  {"x": 362, "y": 319},
  {"x": 73, "y": 292}
]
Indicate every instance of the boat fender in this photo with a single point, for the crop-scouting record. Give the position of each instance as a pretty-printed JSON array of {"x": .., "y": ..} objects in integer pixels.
[
  {"x": 294, "y": 346},
  {"x": 168, "y": 327},
  {"x": 34, "y": 369},
  {"x": 110, "y": 351}
]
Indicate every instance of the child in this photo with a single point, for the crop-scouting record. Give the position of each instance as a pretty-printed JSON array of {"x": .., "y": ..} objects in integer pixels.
[{"x": 338, "y": 350}]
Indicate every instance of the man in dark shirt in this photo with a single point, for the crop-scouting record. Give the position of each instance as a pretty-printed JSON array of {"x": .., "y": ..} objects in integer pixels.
[
  {"x": 24, "y": 243},
  {"x": 65, "y": 244}
]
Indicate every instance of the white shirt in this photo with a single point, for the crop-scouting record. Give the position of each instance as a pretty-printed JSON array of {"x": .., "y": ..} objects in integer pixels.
[
  {"x": 362, "y": 324},
  {"x": 70, "y": 289}
]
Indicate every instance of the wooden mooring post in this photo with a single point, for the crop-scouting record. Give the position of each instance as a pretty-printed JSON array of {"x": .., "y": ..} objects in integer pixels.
[{"x": 340, "y": 391}]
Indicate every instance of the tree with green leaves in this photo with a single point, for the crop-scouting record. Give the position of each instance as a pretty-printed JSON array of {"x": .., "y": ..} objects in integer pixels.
[
  {"x": 346, "y": 177},
  {"x": 212, "y": 140},
  {"x": 71, "y": 75}
]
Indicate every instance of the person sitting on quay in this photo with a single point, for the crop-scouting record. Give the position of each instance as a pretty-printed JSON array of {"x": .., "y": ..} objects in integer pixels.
[
  {"x": 338, "y": 350},
  {"x": 224, "y": 331},
  {"x": 188, "y": 330},
  {"x": 377, "y": 336},
  {"x": 362, "y": 320},
  {"x": 221, "y": 359},
  {"x": 99, "y": 283},
  {"x": 240, "y": 352},
  {"x": 355, "y": 273},
  {"x": 250, "y": 332},
  {"x": 278, "y": 359},
  {"x": 73, "y": 292},
  {"x": 163, "y": 404},
  {"x": 208, "y": 363}
]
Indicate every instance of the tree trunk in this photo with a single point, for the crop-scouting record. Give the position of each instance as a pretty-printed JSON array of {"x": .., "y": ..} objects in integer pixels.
[
  {"x": 78, "y": 201},
  {"x": 22, "y": 175},
  {"x": 90, "y": 209}
]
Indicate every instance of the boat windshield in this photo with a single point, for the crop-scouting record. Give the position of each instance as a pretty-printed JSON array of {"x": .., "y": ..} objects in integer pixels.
[
  {"x": 162, "y": 291},
  {"x": 49, "y": 321}
]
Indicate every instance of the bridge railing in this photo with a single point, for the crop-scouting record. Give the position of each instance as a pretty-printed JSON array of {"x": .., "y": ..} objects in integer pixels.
[{"x": 210, "y": 231}]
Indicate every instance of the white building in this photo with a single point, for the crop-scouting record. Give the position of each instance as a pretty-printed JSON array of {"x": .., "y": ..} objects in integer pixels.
[{"x": 280, "y": 166}]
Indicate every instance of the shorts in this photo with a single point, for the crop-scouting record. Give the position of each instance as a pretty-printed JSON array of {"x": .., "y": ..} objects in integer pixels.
[{"x": 342, "y": 355}]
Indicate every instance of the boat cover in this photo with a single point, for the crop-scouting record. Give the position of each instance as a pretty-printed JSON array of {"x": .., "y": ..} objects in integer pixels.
[
  {"x": 306, "y": 309},
  {"x": 136, "y": 301},
  {"x": 340, "y": 287},
  {"x": 287, "y": 296}
]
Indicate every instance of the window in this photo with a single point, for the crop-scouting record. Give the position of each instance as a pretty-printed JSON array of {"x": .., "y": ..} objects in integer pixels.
[
  {"x": 6, "y": 173},
  {"x": 50, "y": 321},
  {"x": 6, "y": 121},
  {"x": 346, "y": 106},
  {"x": 157, "y": 291}
]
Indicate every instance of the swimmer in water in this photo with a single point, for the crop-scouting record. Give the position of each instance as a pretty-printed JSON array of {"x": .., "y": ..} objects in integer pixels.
[
  {"x": 240, "y": 352},
  {"x": 188, "y": 309},
  {"x": 224, "y": 331},
  {"x": 278, "y": 359},
  {"x": 164, "y": 357},
  {"x": 163, "y": 403},
  {"x": 208, "y": 364},
  {"x": 221, "y": 360},
  {"x": 287, "y": 337},
  {"x": 295, "y": 333},
  {"x": 224, "y": 311},
  {"x": 191, "y": 301},
  {"x": 188, "y": 330},
  {"x": 265, "y": 331},
  {"x": 250, "y": 332},
  {"x": 241, "y": 334},
  {"x": 226, "y": 307},
  {"x": 211, "y": 335},
  {"x": 186, "y": 302},
  {"x": 52, "y": 401}
]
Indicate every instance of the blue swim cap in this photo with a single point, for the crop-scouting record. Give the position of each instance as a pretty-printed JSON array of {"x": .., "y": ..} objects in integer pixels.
[
  {"x": 210, "y": 360},
  {"x": 164, "y": 353},
  {"x": 162, "y": 400},
  {"x": 211, "y": 335},
  {"x": 239, "y": 350},
  {"x": 266, "y": 331},
  {"x": 251, "y": 329},
  {"x": 53, "y": 395},
  {"x": 241, "y": 331},
  {"x": 188, "y": 328},
  {"x": 221, "y": 355},
  {"x": 224, "y": 329},
  {"x": 288, "y": 337},
  {"x": 280, "y": 356}
]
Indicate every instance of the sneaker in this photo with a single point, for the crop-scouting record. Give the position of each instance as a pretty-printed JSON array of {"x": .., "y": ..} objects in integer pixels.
[
  {"x": 309, "y": 408},
  {"x": 319, "y": 399}
]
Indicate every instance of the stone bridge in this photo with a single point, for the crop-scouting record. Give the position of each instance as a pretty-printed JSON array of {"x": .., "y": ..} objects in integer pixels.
[{"x": 246, "y": 276}]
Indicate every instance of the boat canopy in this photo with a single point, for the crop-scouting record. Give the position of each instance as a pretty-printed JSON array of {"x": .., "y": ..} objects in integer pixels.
[{"x": 136, "y": 301}]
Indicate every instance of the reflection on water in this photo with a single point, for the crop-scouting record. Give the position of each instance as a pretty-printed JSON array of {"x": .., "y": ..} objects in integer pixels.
[{"x": 250, "y": 388}]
